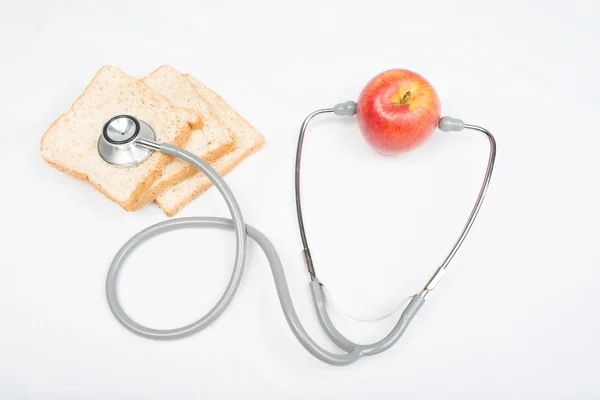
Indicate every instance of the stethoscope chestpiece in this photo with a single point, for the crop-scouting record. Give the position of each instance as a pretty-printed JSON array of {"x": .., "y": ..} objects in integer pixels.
[{"x": 116, "y": 144}]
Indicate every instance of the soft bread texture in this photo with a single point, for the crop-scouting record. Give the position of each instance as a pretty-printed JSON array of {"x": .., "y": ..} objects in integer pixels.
[
  {"x": 210, "y": 142},
  {"x": 248, "y": 141},
  {"x": 70, "y": 143}
]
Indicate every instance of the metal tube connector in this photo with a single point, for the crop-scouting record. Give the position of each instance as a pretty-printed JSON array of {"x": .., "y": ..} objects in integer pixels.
[
  {"x": 309, "y": 264},
  {"x": 147, "y": 144}
]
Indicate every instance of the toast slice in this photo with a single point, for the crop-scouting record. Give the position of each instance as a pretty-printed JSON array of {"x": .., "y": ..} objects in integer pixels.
[
  {"x": 210, "y": 142},
  {"x": 70, "y": 143},
  {"x": 248, "y": 141}
]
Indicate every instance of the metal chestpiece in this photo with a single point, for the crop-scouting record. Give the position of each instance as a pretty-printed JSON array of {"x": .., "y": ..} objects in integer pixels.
[{"x": 116, "y": 144}]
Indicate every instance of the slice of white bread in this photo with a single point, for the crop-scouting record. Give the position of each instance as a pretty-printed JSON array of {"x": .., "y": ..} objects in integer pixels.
[
  {"x": 210, "y": 142},
  {"x": 248, "y": 141},
  {"x": 70, "y": 143}
]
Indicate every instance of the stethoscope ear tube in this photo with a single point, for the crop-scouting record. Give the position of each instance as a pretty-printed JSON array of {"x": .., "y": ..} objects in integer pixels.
[{"x": 446, "y": 124}]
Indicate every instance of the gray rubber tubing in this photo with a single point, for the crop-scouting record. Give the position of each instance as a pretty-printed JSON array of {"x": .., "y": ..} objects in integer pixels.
[
  {"x": 354, "y": 351},
  {"x": 365, "y": 349}
]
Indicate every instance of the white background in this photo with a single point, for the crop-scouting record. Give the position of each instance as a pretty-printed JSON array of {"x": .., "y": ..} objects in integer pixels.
[{"x": 517, "y": 315}]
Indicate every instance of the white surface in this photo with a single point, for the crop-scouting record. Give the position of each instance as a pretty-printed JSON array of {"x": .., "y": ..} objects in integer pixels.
[{"x": 517, "y": 314}]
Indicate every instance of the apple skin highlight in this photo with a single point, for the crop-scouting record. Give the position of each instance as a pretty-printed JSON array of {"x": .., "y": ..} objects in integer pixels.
[{"x": 397, "y": 111}]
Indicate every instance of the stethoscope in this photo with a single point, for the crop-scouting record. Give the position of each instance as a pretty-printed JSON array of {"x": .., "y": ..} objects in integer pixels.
[{"x": 127, "y": 141}]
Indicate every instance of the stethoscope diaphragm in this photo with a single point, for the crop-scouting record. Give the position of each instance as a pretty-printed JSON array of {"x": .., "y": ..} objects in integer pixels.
[{"x": 116, "y": 144}]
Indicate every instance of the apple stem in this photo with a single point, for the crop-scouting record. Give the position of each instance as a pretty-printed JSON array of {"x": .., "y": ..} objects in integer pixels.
[{"x": 403, "y": 101}]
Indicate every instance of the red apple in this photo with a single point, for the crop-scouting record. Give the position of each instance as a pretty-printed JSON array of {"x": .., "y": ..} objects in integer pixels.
[{"x": 397, "y": 111}]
